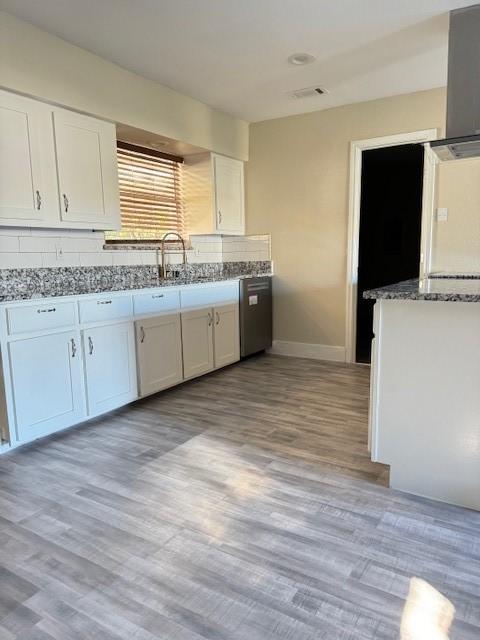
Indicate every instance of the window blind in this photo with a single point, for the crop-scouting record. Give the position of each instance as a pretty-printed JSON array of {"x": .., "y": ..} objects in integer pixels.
[{"x": 150, "y": 194}]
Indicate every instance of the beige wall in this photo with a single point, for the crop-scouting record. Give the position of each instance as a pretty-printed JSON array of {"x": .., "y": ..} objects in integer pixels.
[
  {"x": 297, "y": 190},
  {"x": 38, "y": 64},
  {"x": 457, "y": 240}
]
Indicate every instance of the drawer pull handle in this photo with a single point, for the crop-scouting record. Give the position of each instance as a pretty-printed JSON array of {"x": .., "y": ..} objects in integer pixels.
[
  {"x": 210, "y": 319},
  {"x": 39, "y": 199},
  {"x": 218, "y": 317},
  {"x": 90, "y": 346},
  {"x": 142, "y": 335},
  {"x": 51, "y": 310},
  {"x": 104, "y": 302},
  {"x": 74, "y": 347},
  {"x": 66, "y": 203},
  {"x": 158, "y": 295}
]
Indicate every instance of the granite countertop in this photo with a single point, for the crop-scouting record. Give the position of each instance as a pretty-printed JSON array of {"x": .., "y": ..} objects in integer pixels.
[
  {"x": 472, "y": 275},
  {"x": 30, "y": 284},
  {"x": 441, "y": 289}
]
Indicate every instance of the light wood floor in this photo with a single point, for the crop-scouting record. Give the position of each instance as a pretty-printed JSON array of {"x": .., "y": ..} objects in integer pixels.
[{"x": 240, "y": 506}]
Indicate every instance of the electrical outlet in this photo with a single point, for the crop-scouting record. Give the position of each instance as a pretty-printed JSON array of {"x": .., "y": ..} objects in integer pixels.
[{"x": 442, "y": 214}]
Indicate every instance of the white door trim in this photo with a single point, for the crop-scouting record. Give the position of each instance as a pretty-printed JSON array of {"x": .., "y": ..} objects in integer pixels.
[{"x": 356, "y": 149}]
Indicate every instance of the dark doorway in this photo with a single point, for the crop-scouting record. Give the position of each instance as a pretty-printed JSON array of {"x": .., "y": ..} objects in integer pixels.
[{"x": 390, "y": 227}]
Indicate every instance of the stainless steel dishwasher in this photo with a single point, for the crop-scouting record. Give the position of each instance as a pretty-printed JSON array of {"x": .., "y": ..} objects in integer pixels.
[{"x": 255, "y": 315}]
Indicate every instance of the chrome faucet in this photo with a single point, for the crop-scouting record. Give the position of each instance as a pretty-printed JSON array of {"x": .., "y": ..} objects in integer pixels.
[{"x": 162, "y": 271}]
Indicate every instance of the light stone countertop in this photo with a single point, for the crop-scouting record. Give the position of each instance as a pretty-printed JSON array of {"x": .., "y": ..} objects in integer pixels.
[
  {"x": 30, "y": 284},
  {"x": 439, "y": 289}
]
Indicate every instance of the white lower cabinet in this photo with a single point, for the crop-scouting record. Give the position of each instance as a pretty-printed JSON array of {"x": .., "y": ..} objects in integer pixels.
[
  {"x": 47, "y": 383},
  {"x": 210, "y": 339},
  {"x": 197, "y": 342},
  {"x": 71, "y": 359},
  {"x": 159, "y": 353},
  {"x": 374, "y": 370},
  {"x": 110, "y": 371},
  {"x": 226, "y": 335}
]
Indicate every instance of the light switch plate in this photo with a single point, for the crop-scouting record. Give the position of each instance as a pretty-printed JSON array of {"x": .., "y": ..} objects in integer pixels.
[{"x": 442, "y": 214}]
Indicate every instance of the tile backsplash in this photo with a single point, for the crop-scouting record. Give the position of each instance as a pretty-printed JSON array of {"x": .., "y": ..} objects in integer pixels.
[{"x": 23, "y": 248}]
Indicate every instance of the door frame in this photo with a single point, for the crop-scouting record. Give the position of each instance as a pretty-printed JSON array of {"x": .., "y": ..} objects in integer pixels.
[{"x": 428, "y": 200}]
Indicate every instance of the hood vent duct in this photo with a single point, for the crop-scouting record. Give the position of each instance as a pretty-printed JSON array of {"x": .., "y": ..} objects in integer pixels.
[{"x": 463, "y": 87}]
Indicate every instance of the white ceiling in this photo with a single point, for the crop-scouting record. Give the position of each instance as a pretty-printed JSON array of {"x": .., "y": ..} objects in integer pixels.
[{"x": 231, "y": 54}]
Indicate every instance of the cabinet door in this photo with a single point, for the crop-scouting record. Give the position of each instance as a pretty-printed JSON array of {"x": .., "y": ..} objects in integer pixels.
[
  {"x": 228, "y": 195},
  {"x": 87, "y": 170},
  {"x": 47, "y": 383},
  {"x": 374, "y": 382},
  {"x": 28, "y": 192},
  {"x": 226, "y": 335},
  {"x": 110, "y": 367},
  {"x": 197, "y": 342},
  {"x": 373, "y": 394},
  {"x": 159, "y": 353}
]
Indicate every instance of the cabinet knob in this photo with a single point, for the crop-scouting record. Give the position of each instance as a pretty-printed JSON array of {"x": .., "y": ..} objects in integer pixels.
[
  {"x": 39, "y": 199},
  {"x": 66, "y": 203}
]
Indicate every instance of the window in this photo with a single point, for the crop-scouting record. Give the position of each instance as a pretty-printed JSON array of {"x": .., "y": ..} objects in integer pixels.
[{"x": 150, "y": 194}]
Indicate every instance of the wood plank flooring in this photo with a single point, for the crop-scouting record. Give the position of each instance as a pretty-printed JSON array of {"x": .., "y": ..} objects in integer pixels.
[{"x": 240, "y": 506}]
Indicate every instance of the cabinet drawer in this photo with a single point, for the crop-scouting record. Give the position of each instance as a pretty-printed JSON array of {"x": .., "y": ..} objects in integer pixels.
[
  {"x": 208, "y": 296},
  {"x": 164, "y": 300},
  {"x": 105, "y": 309},
  {"x": 40, "y": 317}
]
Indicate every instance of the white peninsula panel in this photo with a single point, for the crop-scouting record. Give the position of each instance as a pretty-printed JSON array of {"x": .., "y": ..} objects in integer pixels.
[{"x": 425, "y": 413}]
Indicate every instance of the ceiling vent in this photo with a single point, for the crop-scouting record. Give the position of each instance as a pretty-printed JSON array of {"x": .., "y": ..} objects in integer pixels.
[{"x": 307, "y": 92}]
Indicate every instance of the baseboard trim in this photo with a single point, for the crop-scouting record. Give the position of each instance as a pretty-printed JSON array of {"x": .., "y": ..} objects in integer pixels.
[{"x": 305, "y": 350}]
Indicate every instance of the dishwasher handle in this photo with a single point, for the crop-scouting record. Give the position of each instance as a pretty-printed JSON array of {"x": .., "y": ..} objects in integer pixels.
[{"x": 258, "y": 287}]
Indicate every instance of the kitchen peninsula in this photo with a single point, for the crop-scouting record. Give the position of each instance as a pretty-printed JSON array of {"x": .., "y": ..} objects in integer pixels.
[{"x": 425, "y": 391}]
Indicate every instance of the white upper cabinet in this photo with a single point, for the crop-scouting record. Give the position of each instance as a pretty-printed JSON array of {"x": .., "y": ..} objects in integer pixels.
[
  {"x": 57, "y": 168},
  {"x": 28, "y": 191},
  {"x": 214, "y": 194},
  {"x": 87, "y": 169},
  {"x": 228, "y": 195}
]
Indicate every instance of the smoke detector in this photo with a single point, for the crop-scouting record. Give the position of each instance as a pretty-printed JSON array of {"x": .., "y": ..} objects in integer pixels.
[
  {"x": 301, "y": 58},
  {"x": 307, "y": 92}
]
